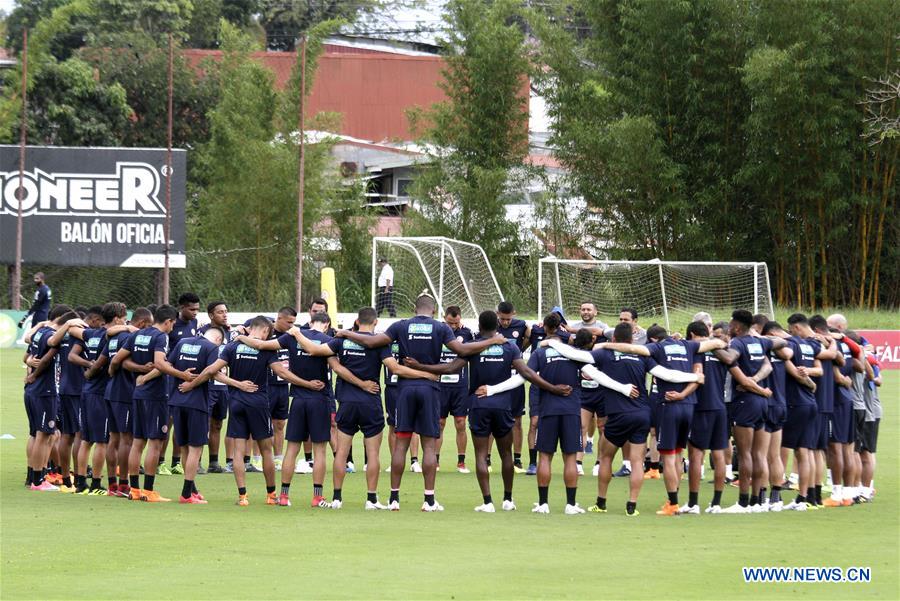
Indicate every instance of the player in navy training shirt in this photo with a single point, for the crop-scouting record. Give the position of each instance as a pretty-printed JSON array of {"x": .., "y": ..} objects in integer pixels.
[
  {"x": 454, "y": 391},
  {"x": 490, "y": 412},
  {"x": 518, "y": 332},
  {"x": 841, "y": 460},
  {"x": 418, "y": 406},
  {"x": 217, "y": 311},
  {"x": 824, "y": 397},
  {"x": 358, "y": 393}
]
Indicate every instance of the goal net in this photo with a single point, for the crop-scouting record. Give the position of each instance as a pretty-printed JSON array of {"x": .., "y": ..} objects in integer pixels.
[
  {"x": 453, "y": 272},
  {"x": 668, "y": 292}
]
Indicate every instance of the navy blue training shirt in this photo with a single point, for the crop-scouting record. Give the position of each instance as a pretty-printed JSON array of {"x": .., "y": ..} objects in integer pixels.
[
  {"x": 805, "y": 352},
  {"x": 45, "y": 383},
  {"x": 144, "y": 346},
  {"x": 421, "y": 338},
  {"x": 752, "y": 355},
  {"x": 364, "y": 363},
  {"x": 120, "y": 387},
  {"x": 680, "y": 355},
  {"x": 306, "y": 366},
  {"x": 625, "y": 368},
  {"x": 93, "y": 341},
  {"x": 246, "y": 363},
  {"x": 492, "y": 366},
  {"x": 198, "y": 353},
  {"x": 711, "y": 394},
  {"x": 556, "y": 369}
]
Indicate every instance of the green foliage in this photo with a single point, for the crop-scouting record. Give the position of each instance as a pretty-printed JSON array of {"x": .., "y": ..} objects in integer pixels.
[{"x": 285, "y": 22}]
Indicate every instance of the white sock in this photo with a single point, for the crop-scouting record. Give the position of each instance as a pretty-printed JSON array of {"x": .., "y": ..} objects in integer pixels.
[
  {"x": 729, "y": 471},
  {"x": 627, "y": 464},
  {"x": 836, "y": 492},
  {"x": 279, "y": 457},
  {"x": 257, "y": 458}
]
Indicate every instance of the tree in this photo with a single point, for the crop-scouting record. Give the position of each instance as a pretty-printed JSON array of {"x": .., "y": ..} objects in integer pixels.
[{"x": 284, "y": 22}]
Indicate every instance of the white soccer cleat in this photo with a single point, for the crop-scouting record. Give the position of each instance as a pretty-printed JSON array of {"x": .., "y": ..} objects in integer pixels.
[
  {"x": 795, "y": 506},
  {"x": 336, "y": 504},
  {"x": 574, "y": 509},
  {"x": 463, "y": 470},
  {"x": 689, "y": 510},
  {"x": 714, "y": 509},
  {"x": 387, "y": 470},
  {"x": 370, "y": 506},
  {"x": 394, "y": 506},
  {"x": 509, "y": 505},
  {"x": 303, "y": 467},
  {"x": 486, "y": 508},
  {"x": 595, "y": 471},
  {"x": 776, "y": 506},
  {"x": 351, "y": 469},
  {"x": 278, "y": 463},
  {"x": 758, "y": 508},
  {"x": 431, "y": 508},
  {"x": 580, "y": 469},
  {"x": 545, "y": 508},
  {"x": 416, "y": 468},
  {"x": 736, "y": 508}
]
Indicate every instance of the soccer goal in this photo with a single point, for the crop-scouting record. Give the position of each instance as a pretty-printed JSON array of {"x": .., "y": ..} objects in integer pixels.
[
  {"x": 453, "y": 272},
  {"x": 669, "y": 292}
]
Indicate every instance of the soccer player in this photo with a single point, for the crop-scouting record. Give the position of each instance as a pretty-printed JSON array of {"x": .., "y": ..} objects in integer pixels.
[
  {"x": 516, "y": 331},
  {"x": 279, "y": 396},
  {"x": 676, "y": 403},
  {"x": 593, "y": 406},
  {"x": 145, "y": 350},
  {"x": 71, "y": 381},
  {"x": 217, "y": 311},
  {"x": 824, "y": 399},
  {"x": 40, "y": 307},
  {"x": 868, "y": 440},
  {"x": 358, "y": 391},
  {"x": 491, "y": 414},
  {"x": 841, "y": 435},
  {"x": 623, "y": 366},
  {"x": 709, "y": 427},
  {"x": 639, "y": 335},
  {"x": 248, "y": 395},
  {"x": 801, "y": 430},
  {"x": 776, "y": 413},
  {"x": 454, "y": 397},
  {"x": 310, "y": 411},
  {"x": 418, "y": 406},
  {"x": 318, "y": 305}
]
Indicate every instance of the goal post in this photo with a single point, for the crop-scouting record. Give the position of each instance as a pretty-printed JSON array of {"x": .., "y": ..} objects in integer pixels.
[
  {"x": 669, "y": 292},
  {"x": 454, "y": 272}
]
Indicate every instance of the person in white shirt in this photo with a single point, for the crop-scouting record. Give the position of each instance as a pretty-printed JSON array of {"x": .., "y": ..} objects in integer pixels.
[{"x": 385, "y": 301}]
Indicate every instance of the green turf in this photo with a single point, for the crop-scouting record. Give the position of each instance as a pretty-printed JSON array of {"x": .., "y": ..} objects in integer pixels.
[{"x": 56, "y": 546}]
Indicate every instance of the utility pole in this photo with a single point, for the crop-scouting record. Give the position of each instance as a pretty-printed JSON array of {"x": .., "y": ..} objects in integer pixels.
[
  {"x": 20, "y": 193},
  {"x": 168, "y": 222},
  {"x": 300, "y": 174}
]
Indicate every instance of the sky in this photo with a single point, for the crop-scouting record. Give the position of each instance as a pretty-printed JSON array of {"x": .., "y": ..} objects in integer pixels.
[{"x": 7, "y": 5}]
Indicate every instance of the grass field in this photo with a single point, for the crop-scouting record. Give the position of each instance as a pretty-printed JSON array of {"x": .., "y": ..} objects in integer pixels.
[{"x": 63, "y": 546}]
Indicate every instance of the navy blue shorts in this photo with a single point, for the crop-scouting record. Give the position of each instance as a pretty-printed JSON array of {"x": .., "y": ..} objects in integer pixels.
[
  {"x": 674, "y": 425},
  {"x": 279, "y": 404},
  {"x": 867, "y": 432},
  {"x": 562, "y": 431},
  {"x": 631, "y": 426},
  {"x": 218, "y": 403},
  {"x": 367, "y": 418},
  {"x": 249, "y": 420},
  {"x": 150, "y": 419},
  {"x": 42, "y": 413},
  {"x": 484, "y": 422},
  {"x": 454, "y": 401},
  {"x": 801, "y": 429},
  {"x": 191, "y": 426},
  {"x": 310, "y": 417},
  {"x": 596, "y": 406},
  {"x": 69, "y": 414},
  {"x": 517, "y": 401},
  {"x": 823, "y": 433},
  {"x": 709, "y": 430},
  {"x": 120, "y": 417},
  {"x": 534, "y": 401},
  {"x": 776, "y": 415},
  {"x": 419, "y": 408},
  {"x": 842, "y": 427},
  {"x": 654, "y": 414},
  {"x": 95, "y": 418},
  {"x": 749, "y": 411}
]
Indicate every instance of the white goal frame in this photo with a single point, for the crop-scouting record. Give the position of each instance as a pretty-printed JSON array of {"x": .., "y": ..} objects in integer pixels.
[
  {"x": 758, "y": 268},
  {"x": 448, "y": 258}
]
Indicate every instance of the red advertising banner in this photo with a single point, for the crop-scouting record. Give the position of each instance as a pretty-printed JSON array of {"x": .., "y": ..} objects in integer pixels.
[{"x": 887, "y": 346}]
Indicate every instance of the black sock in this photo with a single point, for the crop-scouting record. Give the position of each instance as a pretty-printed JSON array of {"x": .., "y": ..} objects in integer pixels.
[
  {"x": 111, "y": 480},
  {"x": 488, "y": 460},
  {"x": 95, "y": 483},
  {"x": 413, "y": 460},
  {"x": 242, "y": 490},
  {"x": 285, "y": 488},
  {"x": 187, "y": 489},
  {"x": 542, "y": 494},
  {"x": 308, "y": 457},
  {"x": 487, "y": 499},
  {"x": 630, "y": 507},
  {"x": 162, "y": 461},
  {"x": 673, "y": 498},
  {"x": 517, "y": 458},
  {"x": 148, "y": 481},
  {"x": 601, "y": 502},
  {"x": 800, "y": 499},
  {"x": 570, "y": 494},
  {"x": 395, "y": 496},
  {"x": 123, "y": 482},
  {"x": 743, "y": 499},
  {"x": 437, "y": 458},
  {"x": 229, "y": 461},
  {"x": 270, "y": 489},
  {"x": 67, "y": 481},
  {"x": 532, "y": 456},
  {"x": 775, "y": 497},
  {"x": 717, "y": 497},
  {"x": 578, "y": 462},
  {"x": 429, "y": 499},
  {"x": 134, "y": 482},
  {"x": 194, "y": 490},
  {"x": 754, "y": 499},
  {"x": 350, "y": 456},
  {"x": 818, "y": 494},
  {"x": 507, "y": 495},
  {"x": 811, "y": 495},
  {"x": 80, "y": 482},
  {"x": 692, "y": 498},
  {"x": 176, "y": 459},
  {"x": 246, "y": 459},
  {"x": 461, "y": 458},
  {"x": 372, "y": 497},
  {"x": 337, "y": 495},
  {"x": 762, "y": 495},
  {"x": 317, "y": 490},
  {"x": 30, "y": 477},
  {"x": 213, "y": 458}
]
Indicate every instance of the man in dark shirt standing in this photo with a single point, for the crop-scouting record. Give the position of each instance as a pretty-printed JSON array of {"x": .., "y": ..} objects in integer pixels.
[{"x": 40, "y": 307}]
